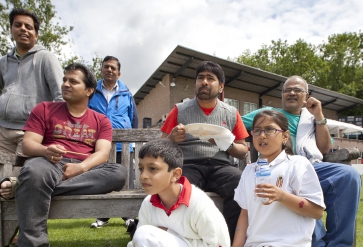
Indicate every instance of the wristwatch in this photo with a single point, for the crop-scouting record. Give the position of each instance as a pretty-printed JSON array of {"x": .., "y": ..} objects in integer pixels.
[
  {"x": 230, "y": 146},
  {"x": 321, "y": 121}
]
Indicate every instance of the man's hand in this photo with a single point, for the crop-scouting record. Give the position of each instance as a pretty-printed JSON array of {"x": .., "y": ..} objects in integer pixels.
[
  {"x": 72, "y": 169},
  {"x": 212, "y": 141},
  {"x": 314, "y": 107},
  {"x": 54, "y": 153},
  {"x": 177, "y": 134},
  {"x": 5, "y": 189}
]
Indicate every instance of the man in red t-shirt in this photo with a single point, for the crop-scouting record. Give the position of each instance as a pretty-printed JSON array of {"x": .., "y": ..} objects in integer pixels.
[
  {"x": 69, "y": 145},
  {"x": 205, "y": 165}
]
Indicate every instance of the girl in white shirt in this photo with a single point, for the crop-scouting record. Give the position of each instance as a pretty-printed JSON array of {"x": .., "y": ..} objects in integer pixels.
[{"x": 295, "y": 198}]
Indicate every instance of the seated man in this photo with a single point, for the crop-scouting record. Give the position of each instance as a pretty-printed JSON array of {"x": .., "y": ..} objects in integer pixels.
[
  {"x": 205, "y": 164},
  {"x": 70, "y": 144}
]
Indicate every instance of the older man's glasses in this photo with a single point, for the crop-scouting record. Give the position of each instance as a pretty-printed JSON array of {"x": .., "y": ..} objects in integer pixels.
[
  {"x": 268, "y": 131},
  {"x": 295, "y": 89}
]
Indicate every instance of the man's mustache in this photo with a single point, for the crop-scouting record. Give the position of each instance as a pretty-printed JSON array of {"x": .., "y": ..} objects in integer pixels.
[{"x": 204, "y": 87}]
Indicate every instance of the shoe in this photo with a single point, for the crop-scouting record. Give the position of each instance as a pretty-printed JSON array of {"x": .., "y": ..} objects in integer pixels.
[
  {"x": 131, "y": 226},
  {"x": 99, "y": 223}
]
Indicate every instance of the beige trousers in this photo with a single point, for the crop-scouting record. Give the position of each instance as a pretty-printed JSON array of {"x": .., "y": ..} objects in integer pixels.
[{"x": 11, "y": 140}]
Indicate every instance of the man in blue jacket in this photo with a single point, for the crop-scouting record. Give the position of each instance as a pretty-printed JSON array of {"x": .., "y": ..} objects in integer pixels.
[{"x": 115, "y": 100}]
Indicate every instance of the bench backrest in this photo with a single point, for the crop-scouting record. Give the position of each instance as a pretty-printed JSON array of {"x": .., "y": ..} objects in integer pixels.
[{"x": 127, "y": 136}]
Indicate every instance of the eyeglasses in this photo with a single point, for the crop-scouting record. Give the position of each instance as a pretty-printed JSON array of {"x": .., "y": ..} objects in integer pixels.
[
  {"x": 295, "y": 89},
  {"x": 268, "y": 131}
]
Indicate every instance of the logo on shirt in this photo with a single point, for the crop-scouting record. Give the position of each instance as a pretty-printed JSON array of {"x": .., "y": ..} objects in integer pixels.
[
  {"x": 280, "y": 181},
  {"x": 224, "y": 124},
  {"x": 76, "y": 132}
]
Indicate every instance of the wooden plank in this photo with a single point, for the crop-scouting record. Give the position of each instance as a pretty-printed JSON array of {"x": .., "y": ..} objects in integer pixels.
[
  {"x": 135, "y": 135},
  {"x": 10, "y": 230},
  {"x": 7, "y": 160},
  {"x": 115, "y": 204},
  {"x": 137, "y": 172},
  {"x": 344, "y": 155}
]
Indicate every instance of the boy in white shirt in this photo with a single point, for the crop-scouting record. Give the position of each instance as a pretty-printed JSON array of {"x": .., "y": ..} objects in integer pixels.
[{"x": 175, "y": 213}]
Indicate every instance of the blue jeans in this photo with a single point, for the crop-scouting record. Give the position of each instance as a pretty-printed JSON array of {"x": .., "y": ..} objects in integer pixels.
[
  {"x": 39, "y": 180},
  {"x": 341, "y": 188}
]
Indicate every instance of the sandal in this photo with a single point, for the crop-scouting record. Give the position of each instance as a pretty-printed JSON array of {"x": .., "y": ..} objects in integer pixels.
[{"x": 14, "y": 183}]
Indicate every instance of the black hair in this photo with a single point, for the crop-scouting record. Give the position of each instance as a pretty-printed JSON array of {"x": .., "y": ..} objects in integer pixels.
[
  {"x": 89, "y": 79},
  {"x": 213, "y": 67},
  {"x": 112, "y": 58},
  {"x": 280, "y": 119},
  {"x": 19, "y": 11},
  {"x": 166, "y": 149}
]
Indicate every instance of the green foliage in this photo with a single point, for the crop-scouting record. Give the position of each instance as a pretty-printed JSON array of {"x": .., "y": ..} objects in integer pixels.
[
  {"x": 96, "y": 66},
  {"x": 335, "y": 65},
  {"x": 344, "y": 54}
]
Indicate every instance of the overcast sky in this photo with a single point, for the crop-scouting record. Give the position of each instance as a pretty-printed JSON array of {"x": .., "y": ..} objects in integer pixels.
[{"x": 142, "y": 33}]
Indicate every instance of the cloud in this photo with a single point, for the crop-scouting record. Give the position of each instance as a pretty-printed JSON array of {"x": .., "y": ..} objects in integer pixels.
[{"x": 143, "y": 33}]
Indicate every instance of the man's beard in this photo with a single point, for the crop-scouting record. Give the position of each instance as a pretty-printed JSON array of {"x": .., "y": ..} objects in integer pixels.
[{"x": 204, "y": 95}]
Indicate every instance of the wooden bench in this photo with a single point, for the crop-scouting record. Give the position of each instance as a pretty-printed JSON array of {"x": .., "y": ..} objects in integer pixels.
[{"x": 116, "y": 204}]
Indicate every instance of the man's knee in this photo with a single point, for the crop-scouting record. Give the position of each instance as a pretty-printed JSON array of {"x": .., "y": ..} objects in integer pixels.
[
  {"x": 117, "y": 174},
  {"x": 350, "y": 173}
]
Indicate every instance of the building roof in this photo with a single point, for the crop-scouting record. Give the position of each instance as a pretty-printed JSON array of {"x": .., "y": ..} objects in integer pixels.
[{"x": 183, "y": 62}]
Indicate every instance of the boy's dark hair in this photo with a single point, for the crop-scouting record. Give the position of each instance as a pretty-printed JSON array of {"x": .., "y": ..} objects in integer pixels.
[
  {"x": 112, "y": 58},
  {"x": 280, "y": 119},
  {"x": 213, "y": 67},
  {"x": 19, "y": 11},
  {"x": 88, "y": 78},
  {"x": 166, "y": 149}
]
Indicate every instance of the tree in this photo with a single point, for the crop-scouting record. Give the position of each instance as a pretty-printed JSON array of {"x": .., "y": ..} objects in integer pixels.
[
  {"x": 283, "y": 59},
  {"x": 344, "y": 54},
  {"x": 335, "y": 65}
]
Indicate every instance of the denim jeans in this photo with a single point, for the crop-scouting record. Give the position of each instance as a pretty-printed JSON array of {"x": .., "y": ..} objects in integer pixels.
[
  {"x": 212, "y": 175},
  {"x": 341, "y": 188},
  {"x": 39, "y": 180}
]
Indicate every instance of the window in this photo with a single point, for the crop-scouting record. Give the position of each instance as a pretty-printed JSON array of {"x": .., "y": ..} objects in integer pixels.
[
  {"x": 232, "y": 102},
  {"x": 249, "y": 107}
]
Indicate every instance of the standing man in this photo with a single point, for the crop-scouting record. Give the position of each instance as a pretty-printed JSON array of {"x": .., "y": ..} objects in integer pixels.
[
  {"x": 70, "y": 145},
  {"x": 205, "y": 165},
  {"x": 340, "y": 183},
  {"x": 29, "y": 74},
  {"x": 113, "y": 99}
]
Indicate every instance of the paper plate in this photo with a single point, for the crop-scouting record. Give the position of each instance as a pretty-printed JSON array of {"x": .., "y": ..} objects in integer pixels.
[{"x": 202, "y": 130}]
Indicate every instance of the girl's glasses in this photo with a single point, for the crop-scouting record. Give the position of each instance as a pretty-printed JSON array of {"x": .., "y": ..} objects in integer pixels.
[{"x": 268, "y": 131}]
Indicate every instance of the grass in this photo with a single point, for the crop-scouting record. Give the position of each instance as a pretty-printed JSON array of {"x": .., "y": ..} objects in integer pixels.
[{"x": 77, "y": 232}]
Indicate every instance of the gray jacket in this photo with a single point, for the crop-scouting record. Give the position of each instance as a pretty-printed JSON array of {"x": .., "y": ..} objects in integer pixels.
[{"x": 24, "y": 83}]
